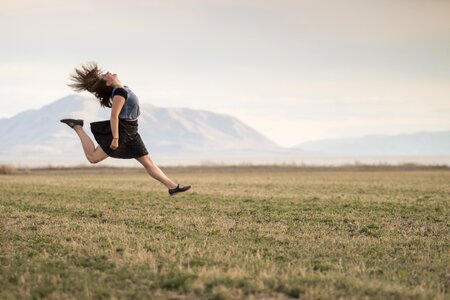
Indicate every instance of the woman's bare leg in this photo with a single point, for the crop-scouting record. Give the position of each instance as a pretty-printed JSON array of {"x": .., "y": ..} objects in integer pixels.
[
  {"x": 155, "y": 171},
  {"x": 93, "y": 155}
]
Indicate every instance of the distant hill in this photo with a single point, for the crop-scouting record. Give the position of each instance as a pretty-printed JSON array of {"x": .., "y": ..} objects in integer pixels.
[
  {"x": 167, "y": 132},
  {"x": 421, "y": 143},
  {"x": 183, "y": 136}
]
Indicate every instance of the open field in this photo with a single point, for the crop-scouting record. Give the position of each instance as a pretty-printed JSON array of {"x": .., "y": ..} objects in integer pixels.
[{"x": 239, "y": 233}]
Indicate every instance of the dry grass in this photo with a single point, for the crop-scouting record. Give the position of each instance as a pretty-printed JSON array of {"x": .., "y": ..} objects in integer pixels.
[
  {"x": 356, "y": 167},
  {"x": 248, "y": 234},
  {"x": 6, "y": 169}
]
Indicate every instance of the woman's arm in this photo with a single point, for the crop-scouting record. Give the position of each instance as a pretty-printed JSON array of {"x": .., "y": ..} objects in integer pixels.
[{"x": 117, "y": 104}]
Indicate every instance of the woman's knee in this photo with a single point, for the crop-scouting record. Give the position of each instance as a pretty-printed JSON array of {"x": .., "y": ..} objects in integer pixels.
[
  {"x": 97, "y": 156},
  {"x": 93, "y": 160},
  {"x": 147, "y": 162}
]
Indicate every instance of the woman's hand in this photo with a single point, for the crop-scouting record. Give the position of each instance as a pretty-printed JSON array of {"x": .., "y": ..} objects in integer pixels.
[{"x": 114, "y": 144}]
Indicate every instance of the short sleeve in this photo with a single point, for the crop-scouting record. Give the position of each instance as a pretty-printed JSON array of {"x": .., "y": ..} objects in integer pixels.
[{"x": 121, "y": 92}]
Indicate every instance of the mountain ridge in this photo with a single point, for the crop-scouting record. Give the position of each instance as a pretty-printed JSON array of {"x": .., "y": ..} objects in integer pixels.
[
  {"x": 39, "y": 133},
  {"x": 424, "y": 142},
  {"x": 183, "y": 135}
]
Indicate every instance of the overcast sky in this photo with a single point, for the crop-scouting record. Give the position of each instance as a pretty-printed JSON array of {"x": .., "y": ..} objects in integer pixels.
[{"x": 293, "y": 70}]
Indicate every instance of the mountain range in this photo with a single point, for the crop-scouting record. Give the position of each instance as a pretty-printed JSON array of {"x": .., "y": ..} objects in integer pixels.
[
  {"x": 36, "y": 136},
  {"x": 420, "y": 143},
  {"x": 188, "y": 136}
]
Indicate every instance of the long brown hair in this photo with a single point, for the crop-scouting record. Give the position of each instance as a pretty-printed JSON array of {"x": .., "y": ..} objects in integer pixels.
[{"x": 87, "y": 78}]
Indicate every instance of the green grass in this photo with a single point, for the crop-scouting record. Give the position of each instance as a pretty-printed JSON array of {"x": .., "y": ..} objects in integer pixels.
[{"x": 261, "y": 235}]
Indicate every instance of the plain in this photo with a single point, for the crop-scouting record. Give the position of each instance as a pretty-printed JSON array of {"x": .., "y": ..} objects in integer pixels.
[{"x": 246, "y": 233}]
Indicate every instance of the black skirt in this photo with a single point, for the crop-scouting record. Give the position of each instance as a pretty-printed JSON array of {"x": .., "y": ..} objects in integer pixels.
[{"x": 130, "y": 142}]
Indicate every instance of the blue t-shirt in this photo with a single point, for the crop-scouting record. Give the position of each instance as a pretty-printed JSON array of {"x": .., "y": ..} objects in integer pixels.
[{"x": 130, "y": 110}]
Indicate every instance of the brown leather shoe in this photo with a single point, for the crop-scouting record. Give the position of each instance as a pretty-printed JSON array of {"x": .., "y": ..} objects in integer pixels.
[{"x": 72, "y": 122}]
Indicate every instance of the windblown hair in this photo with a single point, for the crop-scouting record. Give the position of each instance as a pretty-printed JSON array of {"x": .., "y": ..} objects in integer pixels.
[{"x": 87, "y": 78}]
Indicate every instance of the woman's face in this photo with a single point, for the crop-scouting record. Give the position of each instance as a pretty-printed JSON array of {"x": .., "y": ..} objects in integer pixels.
[{"x": 110, "y": 78}]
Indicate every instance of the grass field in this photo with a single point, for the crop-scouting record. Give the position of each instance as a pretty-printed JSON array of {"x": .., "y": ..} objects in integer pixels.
[{"x": 268, "y": 234}]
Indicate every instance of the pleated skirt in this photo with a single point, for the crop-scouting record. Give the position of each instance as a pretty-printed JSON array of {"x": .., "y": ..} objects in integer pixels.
[{"x": 130, "y": 142}]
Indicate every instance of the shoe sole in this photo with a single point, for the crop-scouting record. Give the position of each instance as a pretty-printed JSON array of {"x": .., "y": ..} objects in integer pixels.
[
  {"x": 69, "y": 120},
  {"x": 180, "y": 192}
]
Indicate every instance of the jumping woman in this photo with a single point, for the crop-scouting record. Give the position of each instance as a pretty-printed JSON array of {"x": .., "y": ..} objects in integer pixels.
[{"x": 117, "y": 137}]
